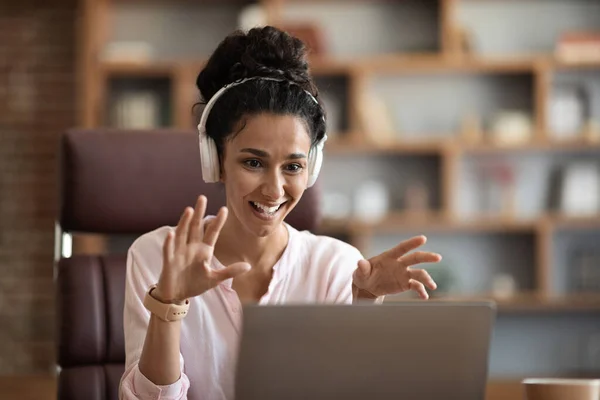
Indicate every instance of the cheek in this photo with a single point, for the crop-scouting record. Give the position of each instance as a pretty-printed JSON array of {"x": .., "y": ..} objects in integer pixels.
[
  {"x": 296, "y": 186},
  {"x": 240, "y": 182}
]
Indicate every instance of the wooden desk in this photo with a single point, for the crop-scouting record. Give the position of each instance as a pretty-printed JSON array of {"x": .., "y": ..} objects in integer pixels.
[
  {"x": 504, "y": 390},
  {"x": 28, "y": 387}
]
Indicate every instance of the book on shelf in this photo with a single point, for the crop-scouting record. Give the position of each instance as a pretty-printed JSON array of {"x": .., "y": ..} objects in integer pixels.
[{"x": 579, "y": 47}]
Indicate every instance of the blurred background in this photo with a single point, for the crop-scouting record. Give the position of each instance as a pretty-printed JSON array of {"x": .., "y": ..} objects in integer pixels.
[{"x": 474, "y": 122}]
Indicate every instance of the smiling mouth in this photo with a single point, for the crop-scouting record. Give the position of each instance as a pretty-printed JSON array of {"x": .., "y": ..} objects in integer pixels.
[{"x": 262, "y": 209}]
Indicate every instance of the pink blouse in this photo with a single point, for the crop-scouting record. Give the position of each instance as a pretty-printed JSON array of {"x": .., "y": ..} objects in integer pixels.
[{"x": 312, "y": 269}]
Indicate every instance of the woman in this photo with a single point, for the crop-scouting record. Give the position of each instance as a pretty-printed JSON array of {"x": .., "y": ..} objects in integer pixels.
[{"x": 262, "y": 134}]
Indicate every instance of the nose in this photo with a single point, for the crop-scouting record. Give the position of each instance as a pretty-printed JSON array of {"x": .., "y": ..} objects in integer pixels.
[{"x": 272, "y": 186}]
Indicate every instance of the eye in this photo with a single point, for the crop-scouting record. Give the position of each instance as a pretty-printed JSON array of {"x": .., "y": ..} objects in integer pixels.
[
  {"x": 294, "y": 167},
  {"x": 252, "y": 163}
]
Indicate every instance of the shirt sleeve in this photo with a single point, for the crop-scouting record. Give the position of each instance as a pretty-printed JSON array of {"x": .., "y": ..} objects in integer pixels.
[{"x": 134, "y": 385}]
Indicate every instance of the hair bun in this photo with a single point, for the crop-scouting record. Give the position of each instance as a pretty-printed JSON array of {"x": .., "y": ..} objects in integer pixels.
[{"x": 267, "y": 52}]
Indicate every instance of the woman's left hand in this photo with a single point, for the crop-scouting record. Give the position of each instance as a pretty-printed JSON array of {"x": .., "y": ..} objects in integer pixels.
[{"x": 391, "y": 272}]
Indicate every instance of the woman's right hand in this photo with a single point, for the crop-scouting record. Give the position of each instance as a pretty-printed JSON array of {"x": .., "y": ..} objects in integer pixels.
[{"x": 187, "y": 254}]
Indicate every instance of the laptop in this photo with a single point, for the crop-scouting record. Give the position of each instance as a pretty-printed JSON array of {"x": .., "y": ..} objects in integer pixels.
[{"x": 413, "y": 350}]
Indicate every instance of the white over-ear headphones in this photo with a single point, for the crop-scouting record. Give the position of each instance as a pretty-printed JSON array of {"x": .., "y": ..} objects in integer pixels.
[{"x": 209, "y": 158}]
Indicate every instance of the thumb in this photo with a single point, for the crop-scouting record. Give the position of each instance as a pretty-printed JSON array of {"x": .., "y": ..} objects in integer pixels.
[
  {"x": 364, "y": 269},
  {"x": 232, "y": 271}
]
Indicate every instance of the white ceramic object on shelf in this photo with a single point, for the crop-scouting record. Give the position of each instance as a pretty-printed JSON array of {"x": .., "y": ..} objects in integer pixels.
[
  {"x": 566, "y": 116},
  {"x": 512, "y": 127},
  {"x": 335, "y": 206},
  {"x": 371, "y": 201}
]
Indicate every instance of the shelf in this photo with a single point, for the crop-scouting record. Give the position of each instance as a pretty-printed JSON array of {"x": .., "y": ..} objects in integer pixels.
[
  {"x": 398, "y": 222},
  {"x": 523, "y": 302},
  {"x": 353, "y": 144},
  {"x": 402, "y": 221},
  {"x": 390, "y": 64},
  {"x": 558, "y": 221},
  {"x": 556, "y": 63},
  {"x": 549, "y": 145},
  {"x": 319, "y": 66},
  {"x": 141, "y": 69},
  {"x": 438, "y": 62}
]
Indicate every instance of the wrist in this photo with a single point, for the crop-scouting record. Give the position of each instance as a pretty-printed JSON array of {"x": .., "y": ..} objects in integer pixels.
[
  {"x": 158, "y": 295},
  {"x": 163, "y": 310},
  {"x": 363, "y": 295}
]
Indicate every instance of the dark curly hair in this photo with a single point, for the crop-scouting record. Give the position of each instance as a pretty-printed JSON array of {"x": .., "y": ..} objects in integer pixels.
[{"x": 261, "y": 52}]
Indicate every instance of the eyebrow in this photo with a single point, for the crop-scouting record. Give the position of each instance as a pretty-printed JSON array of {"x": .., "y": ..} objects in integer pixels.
[{"x": 264, "y": 154}]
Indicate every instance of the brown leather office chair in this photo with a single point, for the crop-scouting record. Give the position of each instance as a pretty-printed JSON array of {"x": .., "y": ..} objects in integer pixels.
[{"x": 120, "y": 183}]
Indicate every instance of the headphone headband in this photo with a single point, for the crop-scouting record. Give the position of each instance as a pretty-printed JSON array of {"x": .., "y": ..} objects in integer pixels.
[{"x": 220, "y": 92}]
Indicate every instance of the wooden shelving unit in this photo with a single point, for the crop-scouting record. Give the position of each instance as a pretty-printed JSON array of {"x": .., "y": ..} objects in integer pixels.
[
  {"x": 359, "y": 71},
  {"x": 428, "y": 221}
]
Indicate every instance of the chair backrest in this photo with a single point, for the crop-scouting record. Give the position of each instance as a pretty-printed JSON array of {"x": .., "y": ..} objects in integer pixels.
[{"x": 121, "y": 182}]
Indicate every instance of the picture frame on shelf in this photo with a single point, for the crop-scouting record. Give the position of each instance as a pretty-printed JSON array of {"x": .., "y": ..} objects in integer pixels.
[
  {"x": 496, "y": 185},
  {"x": 376, "y": 121},
  {"x": 580, "y": 189}
]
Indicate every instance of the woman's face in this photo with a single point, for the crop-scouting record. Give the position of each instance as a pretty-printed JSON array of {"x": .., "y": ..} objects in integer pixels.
[{"x": 265, "y": 170}]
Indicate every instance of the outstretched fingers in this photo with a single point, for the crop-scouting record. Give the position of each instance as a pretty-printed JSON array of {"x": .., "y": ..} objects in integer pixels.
[
  {"x": 419, "y": 257},
  {"x": 196, "y": 230},
  {"x": 420, "y": 275},
  {"x": 418, "y": 287},
  {"x": 168, "y": 246},
  {"x": 182, "y": 229},
  {"x": 406, "y": 246}
]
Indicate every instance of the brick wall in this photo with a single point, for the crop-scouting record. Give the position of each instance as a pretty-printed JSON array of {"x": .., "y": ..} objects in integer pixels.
[{"x": 37, "y": 103}]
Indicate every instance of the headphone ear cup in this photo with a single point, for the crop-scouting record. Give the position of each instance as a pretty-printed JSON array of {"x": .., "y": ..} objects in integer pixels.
[
  {"x": 209, "y": 158},
  {"x": 315, "y": 159}
]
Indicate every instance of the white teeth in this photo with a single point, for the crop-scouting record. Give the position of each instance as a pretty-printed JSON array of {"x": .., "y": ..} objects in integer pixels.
[{"x": 269, "y": 210}]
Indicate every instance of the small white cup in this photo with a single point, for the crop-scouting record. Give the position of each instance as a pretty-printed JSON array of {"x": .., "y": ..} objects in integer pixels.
[{"x": 561, "y": 389}]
